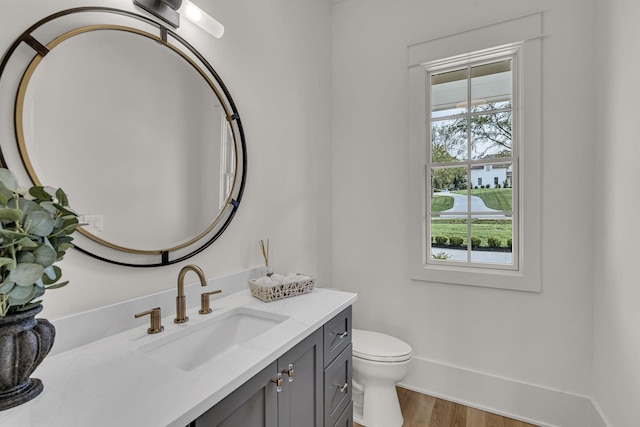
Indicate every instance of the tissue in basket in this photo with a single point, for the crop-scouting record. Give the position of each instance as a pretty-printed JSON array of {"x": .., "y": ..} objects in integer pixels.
[{"x": 278, "y": 286}]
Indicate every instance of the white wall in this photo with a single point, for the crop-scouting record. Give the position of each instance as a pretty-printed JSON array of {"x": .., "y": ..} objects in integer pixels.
[
  {"x": 543, "y": 339},
  {"x": 617, "y": 290},
  {"x": 275, "y": 59}
]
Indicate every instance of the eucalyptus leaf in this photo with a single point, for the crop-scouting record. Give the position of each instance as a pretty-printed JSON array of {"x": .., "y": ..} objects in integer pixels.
[
  {"x": 11, "y": 235},
  {"x": 40, "y": 193},
  {"x": 58, "y": 285},
  {"x": 49, "y": 207},
  {"x": 6, "y": 261},
  {"x": 26, "y": 274},
  {"x": 21, "y": 294},
  {"x": 65, "y": 210},
  {"x": 51, "y": 275},
  {"x": 9, "y": 214},
  {"x": 25, "y": 257},
  {"x": 39, "y": 289},
  {"x": 8, "y": 179},
  {"x": 6, "y": 287},
  {"x": 26, "y": 243},
  {"x": 63, "y": 247},
  {"x": 5, "y": 195},
  {"x": 25, "y": 205},
  {"x": 45, "y": 256},
  {"x": 29, "y": 306},
  {"x": 39, "y": 223},
  {"x": 62, "y": 197}
]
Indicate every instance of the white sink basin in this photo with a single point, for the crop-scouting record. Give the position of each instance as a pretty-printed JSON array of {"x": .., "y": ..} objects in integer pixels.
[{"x": 212, "y": 338}]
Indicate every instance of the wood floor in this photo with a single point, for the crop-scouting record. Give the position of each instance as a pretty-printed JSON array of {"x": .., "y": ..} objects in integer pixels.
[{"x": 420, "y": 410}]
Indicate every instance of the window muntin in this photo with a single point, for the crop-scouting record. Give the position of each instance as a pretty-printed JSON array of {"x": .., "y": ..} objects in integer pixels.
[{"x": 471, "y": 141}]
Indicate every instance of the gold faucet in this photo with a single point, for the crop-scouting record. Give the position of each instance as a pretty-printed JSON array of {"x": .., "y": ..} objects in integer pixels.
[
  {"x": 181, "y": 306},
  {"x": 155, "y": 322},
  {"x": 204, "y": 301}
]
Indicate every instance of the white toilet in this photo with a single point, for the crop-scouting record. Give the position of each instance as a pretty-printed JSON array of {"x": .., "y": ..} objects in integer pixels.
[{"x": 380, "y": 361}]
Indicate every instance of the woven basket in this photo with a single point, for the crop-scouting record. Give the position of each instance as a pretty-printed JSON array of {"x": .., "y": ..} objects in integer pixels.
[{"x": 278, "y": 291}]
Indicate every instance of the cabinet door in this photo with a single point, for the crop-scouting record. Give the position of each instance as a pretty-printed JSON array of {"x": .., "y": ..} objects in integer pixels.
[
  {"x": 337, "y": 387},
  {"x": 346, "y": 419},
  {"x": 300, "y": 402},
  {"x": 254, "y": 404}
]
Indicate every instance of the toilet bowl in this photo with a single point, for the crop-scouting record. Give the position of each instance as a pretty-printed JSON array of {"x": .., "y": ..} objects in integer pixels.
[{"x": 380, "y": 361}]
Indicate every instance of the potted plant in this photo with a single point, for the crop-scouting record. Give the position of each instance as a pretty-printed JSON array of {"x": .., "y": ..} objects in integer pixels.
[{"x": 35, "y": 231}]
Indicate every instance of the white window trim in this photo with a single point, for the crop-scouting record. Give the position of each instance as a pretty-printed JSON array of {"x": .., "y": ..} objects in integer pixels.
[{"x": 525, "y": 31}]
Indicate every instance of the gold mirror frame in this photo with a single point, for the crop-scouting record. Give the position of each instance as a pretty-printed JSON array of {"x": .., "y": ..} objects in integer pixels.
[{"x": 118, "y": 254}]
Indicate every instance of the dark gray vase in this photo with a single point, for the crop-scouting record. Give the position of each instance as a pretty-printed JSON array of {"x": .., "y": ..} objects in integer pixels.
[{"x": 24, "y": 343}]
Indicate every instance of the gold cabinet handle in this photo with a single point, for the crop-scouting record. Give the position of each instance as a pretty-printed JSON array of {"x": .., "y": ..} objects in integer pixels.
[
  {"x": 155, "y": 325},
  {"x": 278, "y": 382},
  {"x": 204, "y": 302},
  {"x": 289, "y": 372}
]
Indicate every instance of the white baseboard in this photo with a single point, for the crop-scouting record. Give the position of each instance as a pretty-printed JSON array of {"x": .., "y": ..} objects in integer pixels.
[{"x": 525, "y": 402}]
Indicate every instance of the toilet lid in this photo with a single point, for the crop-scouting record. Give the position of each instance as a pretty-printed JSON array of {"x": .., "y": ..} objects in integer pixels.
[{"x": 379, "y": 347}]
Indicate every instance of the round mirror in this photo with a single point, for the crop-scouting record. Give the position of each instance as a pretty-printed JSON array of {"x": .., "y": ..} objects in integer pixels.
[{"x": 139, "y": 131}]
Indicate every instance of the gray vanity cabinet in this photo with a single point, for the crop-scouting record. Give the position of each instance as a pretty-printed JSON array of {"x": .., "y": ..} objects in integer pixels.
[
  {"x": 300, "y": 401},
  {"x": 337, "y": 370},
  {"x": 318, "y": 395},
  {"x": 253, "y": 404}
]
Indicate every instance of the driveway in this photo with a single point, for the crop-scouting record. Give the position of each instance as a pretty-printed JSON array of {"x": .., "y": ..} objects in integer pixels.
[{"x": 461, "y": 203}]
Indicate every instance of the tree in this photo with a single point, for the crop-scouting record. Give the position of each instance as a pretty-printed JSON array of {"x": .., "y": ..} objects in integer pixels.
[{"x": 490, "y": 133}]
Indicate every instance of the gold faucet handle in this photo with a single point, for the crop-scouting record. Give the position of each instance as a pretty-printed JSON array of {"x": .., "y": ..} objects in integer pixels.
[
  {"x": 155, "y": 326},
  {"x": 204, "y": 301}
]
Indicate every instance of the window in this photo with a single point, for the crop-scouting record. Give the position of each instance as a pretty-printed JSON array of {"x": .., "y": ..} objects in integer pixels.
[
  {"x": 471, "y": 123},
  {"x": 475, "y": 120}
]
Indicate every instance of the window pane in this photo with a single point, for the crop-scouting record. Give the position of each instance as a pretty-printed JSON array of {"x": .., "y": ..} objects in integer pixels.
[
  {"x": 449, "y": 93},
  {"x": 492, "y": 240},
  {"x": 491, "y": 135},
  {"x": 492, "y": 198},
  {"x": 449, "y": 140},
  {"x": 491, "y": 86},
  {"x": 449, "y": 189},
  {"x": 449, "y": 239}
]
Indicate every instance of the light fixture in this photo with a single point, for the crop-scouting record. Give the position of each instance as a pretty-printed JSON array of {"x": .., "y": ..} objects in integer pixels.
[
  {"x": 202, "y": 19},
  {"x": 163, "y": 9},
  {"x": 170, "y": 10}
]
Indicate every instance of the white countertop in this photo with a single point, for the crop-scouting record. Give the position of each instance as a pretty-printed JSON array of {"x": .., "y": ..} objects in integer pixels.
[{"x": 105, "y": 383}]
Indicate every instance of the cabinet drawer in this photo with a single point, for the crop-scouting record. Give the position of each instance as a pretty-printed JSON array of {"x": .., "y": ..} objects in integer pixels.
[
  {"x": 337, "y": 387},
  {"x": 337, "y": 335},
  {"x": 346, "y": 419}
]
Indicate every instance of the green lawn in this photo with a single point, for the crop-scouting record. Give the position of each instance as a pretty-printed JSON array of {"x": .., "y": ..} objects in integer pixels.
[
  {"x": 482, "y": 228},
  {"x": 441, "y": 203},
  {"x": 494, "y": 198}
]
